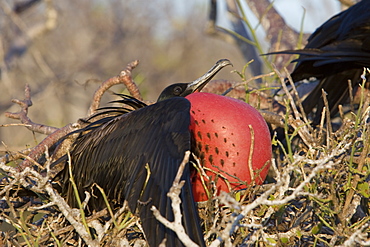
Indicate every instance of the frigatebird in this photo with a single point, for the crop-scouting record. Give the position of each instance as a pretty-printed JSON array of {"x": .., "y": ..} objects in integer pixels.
[
  {"x": 134, "y": 155},
  {"x": 335, "y": 53}
]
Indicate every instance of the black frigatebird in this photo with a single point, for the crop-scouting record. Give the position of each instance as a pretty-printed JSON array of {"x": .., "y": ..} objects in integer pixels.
[
  {"x": 135, "y": 155},
  {"x": 335, "y": 53}
]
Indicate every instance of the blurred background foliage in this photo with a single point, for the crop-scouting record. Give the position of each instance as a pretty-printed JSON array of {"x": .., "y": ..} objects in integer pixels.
[
  {"x": 64, "y": 49},
  {"x": 93, "y": 41}
]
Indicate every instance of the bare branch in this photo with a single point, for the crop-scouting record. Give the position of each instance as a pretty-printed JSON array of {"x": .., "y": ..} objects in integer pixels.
[
  {"x": 11, "y": 156},
  {"x": 125, "y": 78},
  {"x": 274, "y": 25},
  {"x": 22, "y": 114},
  {"x": 348, "y": 3},
  {"x": 50, "y": 140}
]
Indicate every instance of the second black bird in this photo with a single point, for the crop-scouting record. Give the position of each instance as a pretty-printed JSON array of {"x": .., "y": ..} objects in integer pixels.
[{"x": 335, "y": 53}]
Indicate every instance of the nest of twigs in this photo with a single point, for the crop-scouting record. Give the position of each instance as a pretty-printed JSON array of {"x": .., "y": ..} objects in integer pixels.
[{"x": 317, "y": 193}]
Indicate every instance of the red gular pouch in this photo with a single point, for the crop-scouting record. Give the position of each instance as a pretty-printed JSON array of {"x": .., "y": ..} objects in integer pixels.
[{"x": 231, "y": 139}]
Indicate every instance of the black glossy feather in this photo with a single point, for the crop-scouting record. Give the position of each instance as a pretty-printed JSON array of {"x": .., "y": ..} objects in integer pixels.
[
  {"x": 335, "y": 53},
  {"x": 120, "y": 147}
]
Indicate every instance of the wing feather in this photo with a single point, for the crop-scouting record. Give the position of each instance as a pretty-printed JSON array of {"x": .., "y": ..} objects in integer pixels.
[
  {"x": 335, "y": 53},
  {"x": 115, "y": 154}
]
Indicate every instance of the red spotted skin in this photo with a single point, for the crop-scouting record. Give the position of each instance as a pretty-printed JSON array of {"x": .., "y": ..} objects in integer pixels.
[{"x": 222, "y": 129}]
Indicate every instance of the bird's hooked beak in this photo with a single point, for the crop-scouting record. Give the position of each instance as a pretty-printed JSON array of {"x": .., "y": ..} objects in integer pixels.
[
  {"x": 199, "y": 83},
  {"x": 184, "y": 89}
]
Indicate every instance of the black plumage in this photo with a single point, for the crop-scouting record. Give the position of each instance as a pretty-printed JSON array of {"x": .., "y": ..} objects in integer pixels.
[
  {"x": 134, "y": 155},
  {"x": 335, "y": 53},
  {"x": 118, "y": 141}
]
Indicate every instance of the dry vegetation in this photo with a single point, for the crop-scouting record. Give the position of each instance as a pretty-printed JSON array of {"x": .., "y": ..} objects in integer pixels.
[{"x": 318, "y": 190}]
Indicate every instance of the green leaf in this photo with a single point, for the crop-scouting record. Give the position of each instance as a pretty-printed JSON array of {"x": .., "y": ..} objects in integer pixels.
[
  {"x": 284, "y": 240},
  {"x": 364, "y": 189},
  {"x": 315, "y": 229},
  {"x": 271, "y": 240}
]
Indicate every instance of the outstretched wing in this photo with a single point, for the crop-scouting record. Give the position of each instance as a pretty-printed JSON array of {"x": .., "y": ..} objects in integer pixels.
[{"x": 135, "y": 157}]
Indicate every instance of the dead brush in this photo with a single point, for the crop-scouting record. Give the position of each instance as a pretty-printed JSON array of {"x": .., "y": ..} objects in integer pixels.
[{"x": 318, "y": 195}]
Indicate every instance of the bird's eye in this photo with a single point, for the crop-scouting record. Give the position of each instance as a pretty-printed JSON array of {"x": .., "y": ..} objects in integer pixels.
[{"x": 177, "y": 90}]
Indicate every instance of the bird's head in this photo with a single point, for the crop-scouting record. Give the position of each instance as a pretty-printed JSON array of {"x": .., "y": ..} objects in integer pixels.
[{"x": 184, "y": 89}]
